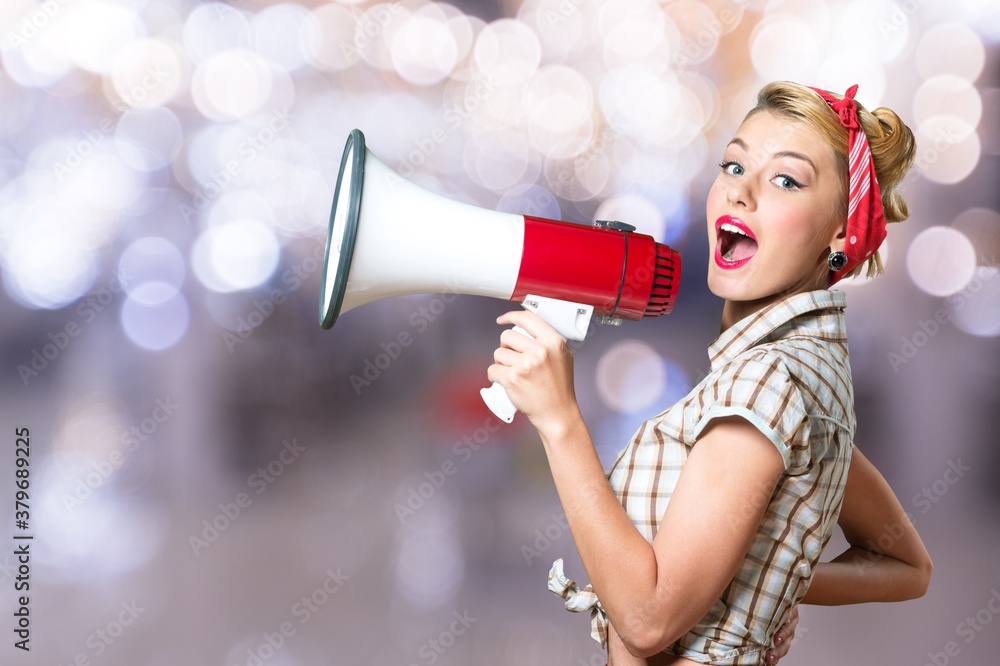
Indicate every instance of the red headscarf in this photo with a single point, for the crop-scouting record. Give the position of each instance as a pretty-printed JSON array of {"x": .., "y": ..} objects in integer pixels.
[{"x": 865, "y": 216}]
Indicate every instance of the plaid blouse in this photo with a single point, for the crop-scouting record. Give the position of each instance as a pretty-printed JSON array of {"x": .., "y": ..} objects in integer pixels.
[{"x": 785, "y": 369}]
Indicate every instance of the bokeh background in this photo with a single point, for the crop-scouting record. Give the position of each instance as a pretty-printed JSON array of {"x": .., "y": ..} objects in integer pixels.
[{"x": 215, "y": 480}]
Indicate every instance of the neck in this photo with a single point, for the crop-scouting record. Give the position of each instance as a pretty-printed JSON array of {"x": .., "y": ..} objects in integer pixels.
[{"x": 734, "y": 311}]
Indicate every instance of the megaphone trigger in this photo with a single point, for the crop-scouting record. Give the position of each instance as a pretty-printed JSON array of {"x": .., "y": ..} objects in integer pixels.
[{"x": 570, "y": 320}]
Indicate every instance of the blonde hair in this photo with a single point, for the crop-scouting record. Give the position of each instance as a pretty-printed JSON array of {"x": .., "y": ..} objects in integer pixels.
[{"x": 891, "y": 141}]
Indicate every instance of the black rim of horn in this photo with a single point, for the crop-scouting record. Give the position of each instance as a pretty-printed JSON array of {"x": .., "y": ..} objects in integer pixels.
[{"x": 348, "y": 235}]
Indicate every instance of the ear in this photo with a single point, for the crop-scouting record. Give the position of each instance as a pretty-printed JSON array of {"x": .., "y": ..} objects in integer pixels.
[{"x": 839, "y": 234}]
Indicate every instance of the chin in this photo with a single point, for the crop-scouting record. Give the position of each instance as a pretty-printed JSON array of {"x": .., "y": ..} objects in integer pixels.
[
  {"x": 732, "y": 287},
  {"x": 748, "y": 287}
]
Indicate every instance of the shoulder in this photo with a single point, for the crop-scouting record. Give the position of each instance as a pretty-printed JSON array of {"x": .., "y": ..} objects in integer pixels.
[{"x": 761, "y": 387}]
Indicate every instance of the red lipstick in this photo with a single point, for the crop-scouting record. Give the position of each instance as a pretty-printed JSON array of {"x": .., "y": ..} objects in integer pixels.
[{"x": 735, "y": 243}]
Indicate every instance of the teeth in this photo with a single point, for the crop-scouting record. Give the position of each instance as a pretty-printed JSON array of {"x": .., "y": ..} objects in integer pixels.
[{"x": 733, "y": 229}]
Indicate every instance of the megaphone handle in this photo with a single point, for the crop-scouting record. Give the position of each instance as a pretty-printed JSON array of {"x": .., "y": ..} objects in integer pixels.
[
  {"x": 496, "y": 397},
  {"x": 571, "y": 320}
]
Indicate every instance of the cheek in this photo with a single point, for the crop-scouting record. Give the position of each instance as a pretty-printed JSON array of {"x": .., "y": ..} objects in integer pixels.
[{"x": 795, "y": 231}]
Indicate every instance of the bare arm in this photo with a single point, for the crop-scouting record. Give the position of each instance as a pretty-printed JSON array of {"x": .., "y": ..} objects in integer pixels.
[
  {"x": 653, "y": 593},
  {"x": 887, "y": 560}
]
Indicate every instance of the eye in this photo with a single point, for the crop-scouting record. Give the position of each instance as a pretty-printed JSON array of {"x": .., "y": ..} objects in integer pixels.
[
  {"x": 732, "y": 168},
  {"x": 786, "y": 182}
]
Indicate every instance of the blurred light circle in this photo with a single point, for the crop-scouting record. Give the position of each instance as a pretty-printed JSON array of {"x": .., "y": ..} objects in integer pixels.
[
  {"x": 700, "y": 29},
  {"x": 672, "y": 204},
  {"x": 636, "y": 29},
  {"x": 153, "y": 322},
  {"x": 988, "y": 21},
  {"x": 151, "y": 261},
  {"x": 274, "y": 33},
  {"x": 508, "y": 52},
  {"x": 982, "y": 227},
  {"x": 40, "y": 39},
  {"x": 633, "y": 209},
  {"x": 147, "y": 73},
  {"x": 460, "y": 27},
  {"x": 100, "y": 536},
  {"x": 530, "y": 200},
  {"x": 488, "y": 106},
  {"x": 690, "y": 115},
  {"x": 17, "y": 108},
  {"x": 947, "y": 95},
  {"x": 201, "y": 165},
  {"x": 328, "y": 39},
  {"x": 559, "y": 30},
  {"x": 97, "y": 30},
  {"x": 163, "y": 18},
  {"x": 45, "y": 265},
  {"x": 738, "y": 101},
  {"x": 649, "y": 165},
  {"x": 861, "y": 279},
  {"x": 559, "y": 102},
  {"x": 429, "y": 565},
  {"x": 31, "y": 65},
  {"x": 818, "y": 14},
  {"x": 948, "y": 149},
  {"x": 240, "y": 204},
  {"x": 704, "y": 96},
  {"x": 231, "y": 84},
  {"x": 104, "y": 180},
  {"x": 152, "y": 293},
  {"x": 372, "y": 27},
  {"x": 844, "y": 68},
  {"x": 233, "y": 256},
  {"x": 213, "y": 27},
  {"x": 495, "y": 163},
  {"x": 976, "y": 309},
  {"x": 410, "y": 131},
  {"x": 941, "y": 261},
  {"x": 92, "y": 428},
  {"x": 782, "y": 47},
  {"x": 149, "y": 139},
  {"x": 587, "y": 175},
  {"x": 875, "y": 27},
  {"x": 644, "y": 104},
  {"x": 301, "y": 200},
  {"x": 950, "y": 48},
  {"x": 422, "y": 47},
  {"x": 630, "y": 376}
]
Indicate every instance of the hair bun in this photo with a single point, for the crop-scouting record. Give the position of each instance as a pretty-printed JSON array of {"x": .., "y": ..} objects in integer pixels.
[{"x": 893, "y": 151}]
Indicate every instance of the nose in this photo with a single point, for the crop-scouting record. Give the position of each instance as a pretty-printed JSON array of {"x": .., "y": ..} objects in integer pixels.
[{"x": 740, "y": 194}]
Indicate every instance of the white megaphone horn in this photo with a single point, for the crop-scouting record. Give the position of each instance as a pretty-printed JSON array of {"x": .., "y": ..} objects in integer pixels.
[{"x": 389, "y": 237}]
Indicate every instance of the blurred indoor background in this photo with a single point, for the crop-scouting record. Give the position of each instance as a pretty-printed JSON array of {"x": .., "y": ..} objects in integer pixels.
[{"x": 214, "y": 480}]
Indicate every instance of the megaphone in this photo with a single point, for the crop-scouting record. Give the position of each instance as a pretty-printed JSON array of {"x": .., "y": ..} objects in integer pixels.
[{"x": 389, "y": 237}]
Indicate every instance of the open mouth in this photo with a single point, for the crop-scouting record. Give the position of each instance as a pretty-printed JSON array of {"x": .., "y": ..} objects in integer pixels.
[{"x": 736, "y": 243}]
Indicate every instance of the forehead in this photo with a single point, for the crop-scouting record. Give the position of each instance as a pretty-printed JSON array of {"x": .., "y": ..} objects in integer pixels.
[{"x": 765, "y": 134}]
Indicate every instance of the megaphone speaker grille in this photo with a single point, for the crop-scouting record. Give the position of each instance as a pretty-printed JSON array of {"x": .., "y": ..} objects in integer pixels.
[{"x": 343, "y": 229}]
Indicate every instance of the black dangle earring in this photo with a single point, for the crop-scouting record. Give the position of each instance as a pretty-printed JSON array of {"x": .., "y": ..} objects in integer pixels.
[{"x": 837, "y": 261}]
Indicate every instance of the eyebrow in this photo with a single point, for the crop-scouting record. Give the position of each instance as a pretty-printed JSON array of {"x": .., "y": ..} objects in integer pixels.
[{"x": 784, "y": 153}]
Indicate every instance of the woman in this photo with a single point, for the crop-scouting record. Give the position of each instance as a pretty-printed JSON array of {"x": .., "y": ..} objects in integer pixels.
[{"x": 708, "y": 530}]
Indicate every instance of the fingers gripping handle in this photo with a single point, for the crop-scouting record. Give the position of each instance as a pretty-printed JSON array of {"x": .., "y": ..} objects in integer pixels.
[
  {"x": 571, "y": 321},
  {"x": 496, "y": 398}
]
